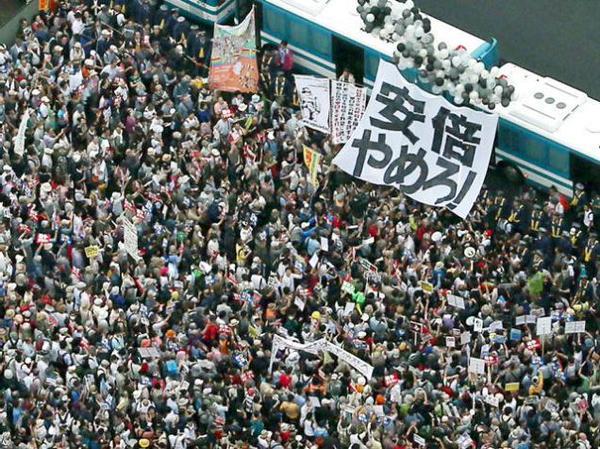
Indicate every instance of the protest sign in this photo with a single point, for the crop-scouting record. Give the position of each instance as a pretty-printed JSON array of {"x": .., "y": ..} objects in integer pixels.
[
  {"x": 574, "y": 327},
  {"x": 426, "y": 286},
  {"x": 314, "y": 101},
  {"x": 347, "y": 108},
  {"x": 321, "y": 345},
  {"x": 20, "y": 138},
  {"x": 130, "y": 238},
  {"x": 456, "y": 301},
  {"x": 233, "y": 65},
  {"x": 465, "y": 338},
  {"x": 312, "y": 159},
  {"x": 433, "y": 151},
  {"x": 544, "y": 326},
  {"x": 512, "y": 386},
  {"x": 149, "y": 353},
  {"x": 476, "y": 365},
  {"x": 419, "y": 440},
  {"x": 92, "y": 251}
]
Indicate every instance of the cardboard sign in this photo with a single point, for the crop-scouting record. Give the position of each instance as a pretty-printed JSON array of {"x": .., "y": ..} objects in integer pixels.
[
  {"x": 544, "y": 326},
  {"x": 574, "y": 327},
  {"x": 450, "y": 342},
  {"x": 426, "y": 286},
  {"x": 456, "y": 301},
  {"x": 419, "y": 440},
  {"x": 512, "y": 387},
  {"x": 476, "y": 365},
  {"x": 465, "y": 338},
  {"x": 92, "y": 251}
]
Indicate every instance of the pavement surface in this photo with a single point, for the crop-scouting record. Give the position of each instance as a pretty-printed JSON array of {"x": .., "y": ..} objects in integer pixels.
[{"x": 554, "y": 38}]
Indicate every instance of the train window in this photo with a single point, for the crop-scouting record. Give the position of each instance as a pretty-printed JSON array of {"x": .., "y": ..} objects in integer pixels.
[
  {"x": 507, "y": 139},
  {"x": 299, "y": 34},
  {"x": 534, "y": 149},
  {"x": 321, "y": 42},
  {"x": 558, "y": 159},
  {"x": 371, "y": 66},
  {"x": 274, "y": 22}
]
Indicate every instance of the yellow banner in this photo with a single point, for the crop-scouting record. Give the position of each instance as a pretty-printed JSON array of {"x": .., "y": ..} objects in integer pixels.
[{"x": 512, "y": 386}]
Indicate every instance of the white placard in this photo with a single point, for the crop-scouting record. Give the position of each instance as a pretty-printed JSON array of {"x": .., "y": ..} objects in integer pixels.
[
  {"x": 574, "y": 327},
  {"x": 130, "y": 238},
  {"x": 348, "y": 104},
  {"x": 433, "y": 151},
  {"x": 299, "y": 303},
  {"x": 20, "y": 137},
  {"x": 324, "y": 244},
  {"x": 544, "y": 326},
  {"x": 496, "y": 325},
  {"x": 531, "y": 319},
  {"x": 492, "y": 400},
  {"x": 314, "y": 101},
  {"x": 419, "y": 440},
  {"x": 314, "y": 260},
  {"x": 520, "y": 320},
  {"x": 456, "y": 301},
  {"x": 477, "y": 324},
  {"x": 465, "y": 338},
  {"x": 450, "y": 342},
  {"x": 349, "y": 308},
  {"x": 476, "y": 365}
]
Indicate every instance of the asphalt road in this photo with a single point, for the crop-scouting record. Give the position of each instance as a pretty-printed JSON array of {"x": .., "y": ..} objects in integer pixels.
[{"x": 555, "y": 38}]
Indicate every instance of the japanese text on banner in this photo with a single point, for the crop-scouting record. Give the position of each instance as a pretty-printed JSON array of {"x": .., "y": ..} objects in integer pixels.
[{"x": 433, "y": 151}]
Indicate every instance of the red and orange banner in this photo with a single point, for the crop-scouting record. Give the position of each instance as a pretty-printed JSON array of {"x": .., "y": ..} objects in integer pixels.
[{"x": 233, "y": 66}]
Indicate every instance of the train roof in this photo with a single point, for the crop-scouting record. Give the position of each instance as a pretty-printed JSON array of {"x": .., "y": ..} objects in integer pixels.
[
  {"x": 341, "y": 17},
  {"x": 553, "y": 110}
]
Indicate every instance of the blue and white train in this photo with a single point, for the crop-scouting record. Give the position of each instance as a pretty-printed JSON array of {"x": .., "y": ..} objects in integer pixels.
[{"x": 550, "y": 134}]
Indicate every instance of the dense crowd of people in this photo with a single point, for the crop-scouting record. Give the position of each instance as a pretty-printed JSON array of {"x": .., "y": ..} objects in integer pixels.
[{"x": 172, "y": 348}]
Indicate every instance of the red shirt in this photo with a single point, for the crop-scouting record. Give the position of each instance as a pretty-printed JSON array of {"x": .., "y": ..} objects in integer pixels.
[
  {"x": 285, "y": 381},
  {"x": 211, "y": 332}
]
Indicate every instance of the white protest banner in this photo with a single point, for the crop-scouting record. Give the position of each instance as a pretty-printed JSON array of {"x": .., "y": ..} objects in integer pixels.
[
  {"x": 130, "y": 238},
  {"x": 314, "y": 101},
  {"x": 433, "y": 151},
  {"x": 347, "y": 108},
  {"x": 354, "y": 362},
  {"x": 476, "y": 365},
  {"x": 520, "y": 320},
  {"x": 544, "y": 326},
  {"x": 477, "y": 324},
  {"x": 321, "y": 345},
  {"x": 574, "y": 327},
  {"x": 450, "y": 342},
  {"x": 20, "y": 138}
]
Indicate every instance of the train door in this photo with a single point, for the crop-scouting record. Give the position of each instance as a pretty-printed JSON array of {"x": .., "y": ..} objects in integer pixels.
[
  {"x": 348, "y": 55},
  {"x": 584, "y": 171}
]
